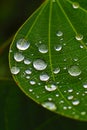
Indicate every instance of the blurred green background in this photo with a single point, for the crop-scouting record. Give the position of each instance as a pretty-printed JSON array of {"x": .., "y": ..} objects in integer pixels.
[{"x": 18, "y": 112}]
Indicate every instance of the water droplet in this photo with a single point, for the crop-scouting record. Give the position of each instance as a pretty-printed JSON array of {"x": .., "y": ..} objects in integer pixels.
[
  {"x": 58, "y": 47},
  {"x": 49, "y": 105},
  {"x": 75, "y": 59},
  {"x": 18, "y": 57},
  {"x": 59, "y": 33},
  {"x": 32, "y": 82},
  {"x": 50, "y": 87},
  {"x": 43, "y": 48},
  {"x": 74, "y": 71},
  {"x": 79, "y": 37},
  {"x": 85, "y": 85},
  {"x": 44, "y": 77},
  {"x": 56, "y": 71},
  {"x": 27, "y": 62},
  {"x": 39, "y": 64},
  {"x": 75, "y": 5},
  {"x": 70, "y": 97},
  {"x": 57, "y": 95},
  {"x": 65, "y": 108},
  {"x": 81, "y": 46},
  {"x": 70, "y": 90},
  {"x": 50, "y": 99},
  {"x": 15, "y": 70},
  {"x": 83, "y": 113},
  {"x": 30, "y": 90},
  {"x": 69, "y": 107},
  {"x": 22, "y": 44},
  {"x": 28, "y": 71},
  {"x": 27, "y": 77},
  {"x": 76, "y": 102}
]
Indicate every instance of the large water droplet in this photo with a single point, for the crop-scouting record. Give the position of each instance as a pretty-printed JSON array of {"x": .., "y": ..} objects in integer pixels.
[
  {"x": 79, "y": 37},
  {"x": 74, "y": 71},
  {"x": 39, "y": 64},
  {"x": 58, "y": 47},
  {"x": 22, "y": 44},
  {"x": 43, "y": 48},
  {"x": 56, "y": 70},
  {"x": 50, "y": 87},
  {"x": 15, "y": 70},
  {"x": 49, "y": 105},
  {"x": 59, "y": 33},
  {"x": 44, "y": 77},
  {"x": 18, "y": 57},
  {"x": 76, "y": 102},
  {"x": 75, "y": 5}
]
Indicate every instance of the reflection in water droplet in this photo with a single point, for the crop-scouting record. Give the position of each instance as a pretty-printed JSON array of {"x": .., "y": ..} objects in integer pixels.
[
  {"x": 43, "y": 48},
  {"x": 74, "y": 71},
  {"x": 58, "y": 47},
  {"x": 39, "y": 64},
  {"x": 49, "y": 105},
  {"x": 15, "y": 70},
  {"x": 44, "y": 77},
  {"x": 59, "y": 33},
  {"x": 50, "y": 87},
  {"x": 27, "y": 62},
  {"x": 22, "y": 44},
  {"x": 18, "y": 57},
  {"x": 85, "y": 85},
  {"x": 76, "y": 102},
  {"x": 28, "y": 71},
  {"x": 79, "y": 37},
  {"x": 56, "y": 71},
  {"x": 32, "y": 82},
  {"x": 75, "y": 5}
]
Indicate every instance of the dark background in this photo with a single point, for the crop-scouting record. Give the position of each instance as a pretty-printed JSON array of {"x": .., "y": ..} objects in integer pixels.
[{"x": 18, "y": 112}]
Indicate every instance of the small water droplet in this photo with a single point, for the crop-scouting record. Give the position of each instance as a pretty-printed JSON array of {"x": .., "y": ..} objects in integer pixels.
[
  {"x": 28, "y": 71},
  {"x": 49, "y": 105},
  {"x": 79, "y": 37},
  {"x": 85, "y": 85},
  {"x": 50, "y": 99},
  {"x": 44, "y": 77},
  {"x": 27, "y": 62},
  {"x": 39, "y": 64},
  {"x": 30, "y": 90},
  {"x": 59, "y": 33},
  {"x": 76, "y": 102},
  {"x": 58, "y": 47},
  {"x": 64, "y": 108},
  {"x": 43, "y": 48},
  {"x": 75, "y": 59},
  {"x": 74, "y": 71},
  {"x": 22, "y": 44},
  {"x": 81, "y": 46},
  {"x": 75, "y": 5},
  {"x": 83, "y": 113},
  {"x": 70, "y": 90},
  {"x": 32, "y": 82},
  {"x": 70, "y": 97},
  {"x": 57, "y": 95},
  {"x": 50, "y": 87},
  {"x": 56, "y": 70},
  {"x": 27, "y": 77},
  {"x": 15, "y": 70},
  {"x": 18, "y": 57}
]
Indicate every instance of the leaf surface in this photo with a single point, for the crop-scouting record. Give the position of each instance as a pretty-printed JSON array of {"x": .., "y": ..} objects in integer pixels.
[{"x": 48, "y": 57}]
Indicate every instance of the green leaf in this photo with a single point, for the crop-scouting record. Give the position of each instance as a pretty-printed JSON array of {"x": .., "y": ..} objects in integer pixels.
[{"x": 48, "y": 57}]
